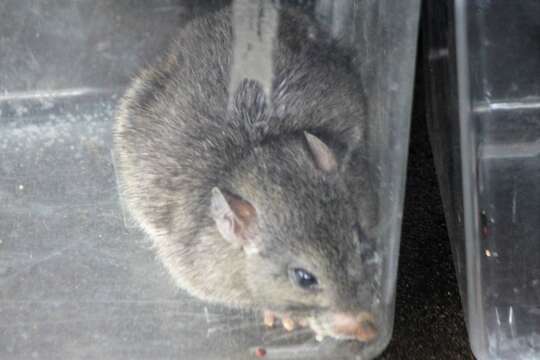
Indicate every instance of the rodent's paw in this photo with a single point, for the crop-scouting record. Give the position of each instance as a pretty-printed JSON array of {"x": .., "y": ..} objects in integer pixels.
[
  {"x": 287, "y": 321},
  {"x": 269, "y": 318},
  {"x": 319, "y": 330},
  {"x": 360, "y": 327}
]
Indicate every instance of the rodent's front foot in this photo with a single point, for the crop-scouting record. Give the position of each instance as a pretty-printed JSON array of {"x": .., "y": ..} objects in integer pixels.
[{"x": 287, "y": 321}]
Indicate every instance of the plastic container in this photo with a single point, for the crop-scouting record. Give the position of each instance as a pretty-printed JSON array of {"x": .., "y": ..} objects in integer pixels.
[
  {"x": 78, "y": 279},
  {"x": 483, "y": 83}
]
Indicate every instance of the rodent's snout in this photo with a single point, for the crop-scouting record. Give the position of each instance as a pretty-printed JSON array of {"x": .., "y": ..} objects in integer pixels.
[{"x": 360, "y": 326}]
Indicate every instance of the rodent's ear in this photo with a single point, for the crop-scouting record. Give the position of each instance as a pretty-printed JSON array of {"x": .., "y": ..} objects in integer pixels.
[
  {"x": 235, "y": 219},
  {"x": 324, "y": 157}
]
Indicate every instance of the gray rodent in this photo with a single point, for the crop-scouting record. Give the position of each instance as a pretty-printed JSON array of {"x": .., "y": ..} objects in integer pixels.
[{"x": 252, "y": 205}]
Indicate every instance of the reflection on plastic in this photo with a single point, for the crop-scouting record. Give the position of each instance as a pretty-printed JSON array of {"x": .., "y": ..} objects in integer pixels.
[
  {"x": 78, "y": 280},
  {"x": 486, "y": 137}
]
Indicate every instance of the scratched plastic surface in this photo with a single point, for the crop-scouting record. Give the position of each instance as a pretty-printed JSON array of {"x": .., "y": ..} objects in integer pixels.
[
  {"x": 485, "y": 132},
  {"x": 77, "y": 278}
]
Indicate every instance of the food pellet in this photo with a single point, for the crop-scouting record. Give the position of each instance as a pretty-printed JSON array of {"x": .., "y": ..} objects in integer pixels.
[
  {"x": 288, "y": 324},
  {"x": 260, "y": 352}
]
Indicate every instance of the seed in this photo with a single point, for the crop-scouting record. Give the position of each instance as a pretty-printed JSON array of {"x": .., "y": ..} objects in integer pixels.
[
  {"x": 288, "y": 324},
  {"x": 260, "y": 352}
]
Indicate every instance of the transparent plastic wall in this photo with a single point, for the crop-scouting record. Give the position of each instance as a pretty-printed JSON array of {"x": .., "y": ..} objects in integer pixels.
[
  {"x": 85, "y": 273},
  {"x": 483, "y": 72}
]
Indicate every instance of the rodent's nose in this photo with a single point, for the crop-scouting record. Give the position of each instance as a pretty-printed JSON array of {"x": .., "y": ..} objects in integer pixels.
[{"x": 360, "y": 326}]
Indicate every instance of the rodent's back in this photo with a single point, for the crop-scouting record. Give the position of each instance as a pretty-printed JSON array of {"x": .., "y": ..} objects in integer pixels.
[{"x": 175, "y": 137}]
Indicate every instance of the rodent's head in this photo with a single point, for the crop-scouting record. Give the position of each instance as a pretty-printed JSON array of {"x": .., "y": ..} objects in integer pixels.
[{"x": 295, "y": 213}]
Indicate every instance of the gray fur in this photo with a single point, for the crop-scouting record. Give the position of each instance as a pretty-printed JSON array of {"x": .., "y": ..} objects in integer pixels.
[{"x": 175, "y": 140}]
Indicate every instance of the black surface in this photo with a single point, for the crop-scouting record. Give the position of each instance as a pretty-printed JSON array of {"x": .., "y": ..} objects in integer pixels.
[{"x": 429, "y": 317}]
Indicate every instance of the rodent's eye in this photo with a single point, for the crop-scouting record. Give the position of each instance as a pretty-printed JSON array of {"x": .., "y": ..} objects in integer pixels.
[{"x": 304, "y": 278}]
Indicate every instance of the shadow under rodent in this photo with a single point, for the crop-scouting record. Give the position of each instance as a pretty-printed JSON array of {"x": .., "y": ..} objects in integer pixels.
[{"x": 251, "y": 205}]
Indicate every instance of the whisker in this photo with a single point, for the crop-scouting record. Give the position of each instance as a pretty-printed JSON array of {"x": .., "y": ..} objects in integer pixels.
[
  {"x": 269, "y": 332},
  {"x": 302, "y": 351},
  {"x": 289, "y": 335},
  {"x": 228, "y": 328}
]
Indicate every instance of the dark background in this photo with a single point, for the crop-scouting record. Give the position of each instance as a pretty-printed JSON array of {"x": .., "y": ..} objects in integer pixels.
[{"x": 429, "y": 320}]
